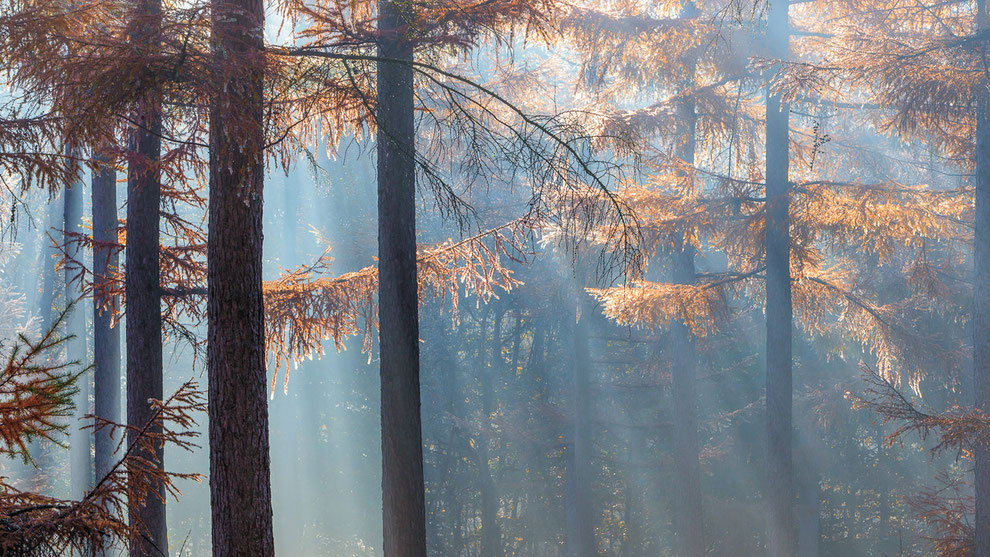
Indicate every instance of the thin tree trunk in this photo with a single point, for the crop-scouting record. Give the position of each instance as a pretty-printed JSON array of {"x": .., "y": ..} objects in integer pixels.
[
  {"x": 142, "y": 283},
  {"x": 581, "y": 532},
  {"x": 981, "y": 305},
  {"x": 403, "y": 506},
  {"x": 81, "y": 467},
  {"x": 688, "y": 515},
  {"x": 106, "y": 337},
  {"x": 142, "y": 290},
  {"x": 491, "y": 535},
  {"x": 240, "y": 469},
  {"x": 781, "y": 531}
]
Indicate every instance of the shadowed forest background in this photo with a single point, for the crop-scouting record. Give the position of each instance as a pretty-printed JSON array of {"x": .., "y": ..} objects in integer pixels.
[{"x": 495, "y": 278}]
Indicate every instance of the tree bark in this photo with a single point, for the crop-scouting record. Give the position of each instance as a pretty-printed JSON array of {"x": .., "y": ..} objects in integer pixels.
[
  {"x": 981, "y": 305},
  {"x": 106, "y": 337},
  {"x": 781, "y": 531},
  {"x": 143, "y": 329},
  {"x": 142, "y": 282},
  {"x": 404, "y": 510},
  {"x": 240, "y": 470}
]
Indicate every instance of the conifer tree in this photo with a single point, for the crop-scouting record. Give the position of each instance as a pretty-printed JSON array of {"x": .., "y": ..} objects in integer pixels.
[{"x": 240, "y": 489}]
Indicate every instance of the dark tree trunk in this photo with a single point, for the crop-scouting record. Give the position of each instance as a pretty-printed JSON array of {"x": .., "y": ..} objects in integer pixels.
[
  {"x": 240, "y": 470},
  {"x": 688, "y": 516},
  {"x": 81, "y": 468},
  {"x": 981, "y": 305},
  {"x": 403, "y": 507},
  {"x": 142, "y": 283},
  {"x": 581, "y": 531},
  {"x": 106, "y": 337},
  {"x": 142, "y": 290},
  {"x": 781, "y": 531}
]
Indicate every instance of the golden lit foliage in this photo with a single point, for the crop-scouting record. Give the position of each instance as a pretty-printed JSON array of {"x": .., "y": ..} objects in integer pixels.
[
  {"x": 35, "y": 391},
  {"x": 650, "y": 304},
  {"x": 302, "y": 311}
]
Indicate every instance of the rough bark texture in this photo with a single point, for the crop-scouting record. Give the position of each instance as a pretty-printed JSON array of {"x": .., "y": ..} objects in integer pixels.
[
  {"x": 781, "y": 531},
  {"x": 106, "y": 338},
  {"x": 142, "y": 289},
  {"x": 81, "y": 469},
  {"x": 403, "y": 507},
  {"x": 981, "y": 305},
  {"x": 240, "y": 489},
  {"x": 688, "y": 517}
]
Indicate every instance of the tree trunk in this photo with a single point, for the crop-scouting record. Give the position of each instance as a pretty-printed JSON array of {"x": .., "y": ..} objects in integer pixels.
[
  {"x": 106, "y": 338},
  {"x": 581, "y": 531},
  {"x": 491, "y": 535},
  {"x": 142, "y": 290},
  {"x": 688, "y": 517},
  {"x": 403, "y": 507},
  {"x": 981, "y": 305},
  {"x": 240, "y": 470},
  {"x": 81, "y": 467},
  {"x": 781, "y": 531}
]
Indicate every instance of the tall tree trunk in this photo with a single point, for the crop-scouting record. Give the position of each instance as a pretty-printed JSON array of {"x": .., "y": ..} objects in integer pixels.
[
  {"x": 142, "y": 283},
  {"x": 981, "y": 305},
  {"x": 106, "y": 337},
  {"x": 240, "y": 470},
  {"x": 781, "y": 531},
  {"x": 491, "y": 535},
  {"x": 688, "y": 516},
  {"x": 581, "y": 531},
  {"x": 404, "y": 511},
  {"x": 81, "y": 467},
  {"x": 143, "y": 329}
]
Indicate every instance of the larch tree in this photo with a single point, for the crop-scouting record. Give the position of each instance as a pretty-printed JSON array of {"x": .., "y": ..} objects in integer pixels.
[
  {"x": 106, "y": 334},
  {"x": 142, "y": 276},
  {"x": 403, "y": 498},
  {"x": 240, "y": 489},
  {"x": 781, "y": 527}
]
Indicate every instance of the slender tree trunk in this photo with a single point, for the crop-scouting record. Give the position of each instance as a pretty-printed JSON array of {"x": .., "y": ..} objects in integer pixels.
[
  {"x": 781, "y": 531},
  {"x": 688, "y": 516},
  {"x": 981, "y": 305},
  {"x": 240, "y": 470},
  {"x": 81, "y": 468},
  {"x": 106, "y": 337},
  {"x": 404, "y": 510},
  {"x": 142, "y": 289},
  {"x": 581, "y": 531},
  {"x": 142, "y": 283},
  {"x": 491, "y": 535}
]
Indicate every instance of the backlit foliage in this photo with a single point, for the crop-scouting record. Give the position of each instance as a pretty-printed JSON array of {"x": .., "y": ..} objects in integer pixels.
[
  {"x": 303, "y": 309},
  {"x": 35, "y": 400}
]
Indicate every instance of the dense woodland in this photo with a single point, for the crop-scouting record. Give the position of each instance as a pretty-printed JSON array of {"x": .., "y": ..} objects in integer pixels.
[{"x": 495, "y": 278}]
